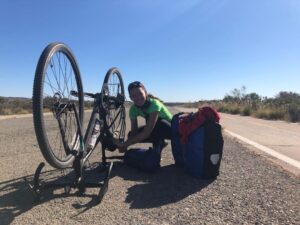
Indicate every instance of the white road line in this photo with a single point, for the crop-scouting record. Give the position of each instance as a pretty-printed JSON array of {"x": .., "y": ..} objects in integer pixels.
[
  {"x": 250, "y": 121},
  {"x": 264, "y": 125},
  {"x": 267, "y": 150}
]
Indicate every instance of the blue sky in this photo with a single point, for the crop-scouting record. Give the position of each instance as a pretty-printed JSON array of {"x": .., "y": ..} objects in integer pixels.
[{"x": 182, "y": 50}]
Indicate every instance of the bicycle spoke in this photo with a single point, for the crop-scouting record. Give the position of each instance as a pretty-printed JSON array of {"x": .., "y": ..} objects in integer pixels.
[
  {"x": 54, "y": 72},
  {"x": 56, "y": 129},
  {"x": 64, "y": 72},
  {"x": 59, "y": 81},
  {"x": 115, "y": 115},
  {"x": 54, "y": 90}
]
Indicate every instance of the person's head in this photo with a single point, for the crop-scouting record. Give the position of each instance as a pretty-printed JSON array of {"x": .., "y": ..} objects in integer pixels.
[{"x": 137, "y": 93}]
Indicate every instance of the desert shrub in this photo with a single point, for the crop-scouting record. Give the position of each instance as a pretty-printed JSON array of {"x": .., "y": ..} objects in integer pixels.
[
  {"x": 220, "y": 108},
  {"x": 6, "y": 111},
  {"x": 232, "y": 109},
  {"x": 293, "y": 113},
  {"x": 246, "y": 110},
  {"x": 88, "y": 104},
  {"x": 15, "y": 106},
  {"x": 270, "y": 114},
  {"x": 19, "y": 110}
]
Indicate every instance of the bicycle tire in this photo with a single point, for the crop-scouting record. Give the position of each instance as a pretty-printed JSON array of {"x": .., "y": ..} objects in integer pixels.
[
  {"x": 115, "y": 116},
  {"x": 57, "y": 151}
]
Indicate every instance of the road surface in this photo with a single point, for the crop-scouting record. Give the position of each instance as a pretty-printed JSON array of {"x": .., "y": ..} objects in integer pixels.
[{"x": 249, "y": 190}]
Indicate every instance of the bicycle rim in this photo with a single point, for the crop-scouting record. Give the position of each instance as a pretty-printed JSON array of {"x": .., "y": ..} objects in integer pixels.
[
  {"x": 115, "y": 117},
  {"x": 57, "y": 74}
]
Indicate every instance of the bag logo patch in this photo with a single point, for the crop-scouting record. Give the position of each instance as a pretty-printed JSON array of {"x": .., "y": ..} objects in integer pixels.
[{"x": 214, "y": 158}]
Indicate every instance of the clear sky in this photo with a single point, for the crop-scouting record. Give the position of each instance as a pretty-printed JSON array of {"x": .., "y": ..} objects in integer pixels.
[{"x": 182, "y": 50}]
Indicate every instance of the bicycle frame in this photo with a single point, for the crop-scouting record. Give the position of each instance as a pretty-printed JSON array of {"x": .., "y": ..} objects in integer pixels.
[
  {"x": 105, "y": 138},
  {"x": 62, "y": 140}
]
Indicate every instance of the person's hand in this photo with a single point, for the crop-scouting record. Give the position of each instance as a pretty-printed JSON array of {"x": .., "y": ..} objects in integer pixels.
[
  {"x": 123, "y": 149},
  {"x": 120, "y": 145}
]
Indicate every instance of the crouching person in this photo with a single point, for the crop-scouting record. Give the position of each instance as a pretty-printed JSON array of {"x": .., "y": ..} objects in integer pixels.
[{"x": 156, "y": 130}]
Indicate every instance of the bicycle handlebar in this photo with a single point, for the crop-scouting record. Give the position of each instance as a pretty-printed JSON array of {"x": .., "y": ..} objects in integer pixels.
[
  {"x": 75, "y": 94},
  {"x": 120, "y": 99}
]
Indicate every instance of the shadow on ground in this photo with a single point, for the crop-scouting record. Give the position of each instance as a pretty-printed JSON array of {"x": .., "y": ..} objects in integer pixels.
[
  {"x": 16, "y": 197},
  {"x": 168, "y": 185}
]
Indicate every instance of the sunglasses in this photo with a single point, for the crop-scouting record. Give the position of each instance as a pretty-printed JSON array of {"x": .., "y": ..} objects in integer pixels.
[{"x": 135, "y": 84}]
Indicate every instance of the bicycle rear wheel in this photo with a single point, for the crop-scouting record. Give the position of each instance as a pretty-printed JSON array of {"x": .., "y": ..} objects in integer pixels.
[
  {"x": 56, "y": 129},
  {"x": 113, "y": 99}
]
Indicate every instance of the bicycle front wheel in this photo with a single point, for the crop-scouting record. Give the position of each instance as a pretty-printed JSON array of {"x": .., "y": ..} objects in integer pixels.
[
  {"x": 56, "y": 77},
  {"x": 113, "y": 99}
]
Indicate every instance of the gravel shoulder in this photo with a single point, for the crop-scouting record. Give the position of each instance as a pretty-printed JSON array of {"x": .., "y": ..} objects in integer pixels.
[{"x": 249, "y": 190}]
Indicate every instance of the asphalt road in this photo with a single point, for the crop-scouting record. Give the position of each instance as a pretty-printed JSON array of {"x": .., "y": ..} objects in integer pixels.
[
  {"x": 281, "y": 136},
  {"x": 249, "y": 190}
]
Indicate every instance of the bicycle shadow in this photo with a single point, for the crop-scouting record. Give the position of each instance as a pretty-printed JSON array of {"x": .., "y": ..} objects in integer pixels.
[
  {"x": 16, "y": 199},
  {"x": 168, "y": 185}
]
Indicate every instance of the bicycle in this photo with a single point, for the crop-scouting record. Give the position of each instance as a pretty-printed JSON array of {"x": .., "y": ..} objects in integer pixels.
[{"x": 58, "y": 115}]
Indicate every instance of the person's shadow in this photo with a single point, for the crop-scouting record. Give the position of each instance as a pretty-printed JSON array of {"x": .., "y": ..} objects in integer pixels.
[{"x": 169, "y": 184}]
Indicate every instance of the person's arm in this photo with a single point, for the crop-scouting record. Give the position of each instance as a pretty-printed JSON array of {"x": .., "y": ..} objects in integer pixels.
[
  {"x": 134, "y": 127},
  {"x": 133, "y": 139}
]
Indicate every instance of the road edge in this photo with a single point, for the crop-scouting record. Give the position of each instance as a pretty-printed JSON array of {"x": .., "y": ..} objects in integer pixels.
[{"x": 287, "y": 163}]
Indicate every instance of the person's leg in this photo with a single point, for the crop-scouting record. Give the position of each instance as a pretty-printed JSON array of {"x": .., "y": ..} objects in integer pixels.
[{"x": 161, "y": 131}]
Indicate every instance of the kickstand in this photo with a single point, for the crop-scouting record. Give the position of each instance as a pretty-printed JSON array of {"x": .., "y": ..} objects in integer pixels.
[
  {"x": 37, "y": 188},
  {"x": 104, "y": 187}
]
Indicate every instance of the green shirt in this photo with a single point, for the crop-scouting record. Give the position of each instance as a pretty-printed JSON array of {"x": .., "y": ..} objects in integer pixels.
[{"x": 155, "y": 106}]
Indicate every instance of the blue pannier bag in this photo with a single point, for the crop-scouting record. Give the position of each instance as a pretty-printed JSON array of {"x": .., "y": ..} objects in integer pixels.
[
  {"x": 175, "y": 141},
  {"x": 147, "y": 160},
  {"x": 202, "y": 153}
]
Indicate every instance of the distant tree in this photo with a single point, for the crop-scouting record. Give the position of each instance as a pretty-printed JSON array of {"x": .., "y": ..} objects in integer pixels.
[
  {"x": 236, "y": 95},
  {"x": 287, "y": 97},
  {"x": 2, "y": 100},
  {"x": 252, "y": 97}
]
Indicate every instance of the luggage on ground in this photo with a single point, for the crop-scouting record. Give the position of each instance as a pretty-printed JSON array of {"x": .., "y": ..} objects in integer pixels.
[
  {"x": 147, "y": 160},
  {"x": 197, "y": 142}
]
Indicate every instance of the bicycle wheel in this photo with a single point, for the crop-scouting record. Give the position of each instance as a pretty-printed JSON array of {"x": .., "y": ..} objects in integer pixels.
[
  {"x": 113, "y": 99},
  {"x": 56, "y": 129}
]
